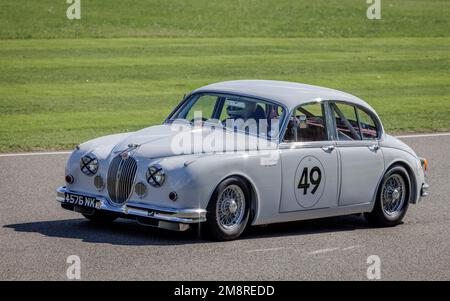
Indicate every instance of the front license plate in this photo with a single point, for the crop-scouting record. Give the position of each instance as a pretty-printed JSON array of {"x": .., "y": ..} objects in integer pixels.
[{"x": 80, "y": 200}]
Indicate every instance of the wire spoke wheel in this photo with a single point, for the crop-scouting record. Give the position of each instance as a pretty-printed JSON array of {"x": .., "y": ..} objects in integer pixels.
[
  {"x": 393, "y": 195},
  {"x": 230, "y": 208}
]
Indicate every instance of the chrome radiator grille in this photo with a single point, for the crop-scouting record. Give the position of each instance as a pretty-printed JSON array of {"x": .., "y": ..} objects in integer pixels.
[{"x": 120, "y": 179}]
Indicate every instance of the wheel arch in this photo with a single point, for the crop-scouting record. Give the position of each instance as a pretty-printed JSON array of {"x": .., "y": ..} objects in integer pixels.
[
  {"x": 412, "y": 177},
  {"x": 254, "y": 194}
]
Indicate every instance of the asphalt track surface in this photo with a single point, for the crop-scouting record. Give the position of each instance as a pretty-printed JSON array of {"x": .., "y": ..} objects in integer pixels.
[{"x": 37, "y": 236}]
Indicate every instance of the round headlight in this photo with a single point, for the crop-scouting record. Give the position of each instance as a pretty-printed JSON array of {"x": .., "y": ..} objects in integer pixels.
[
  {"x": 155, "y": 175},
  {"x": 89, "y": 165}
]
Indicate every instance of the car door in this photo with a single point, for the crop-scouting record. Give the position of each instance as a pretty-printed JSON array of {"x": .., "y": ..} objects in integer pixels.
[
  {"x": 361, "y": 160},
  {"x": 309, "y": 161}
]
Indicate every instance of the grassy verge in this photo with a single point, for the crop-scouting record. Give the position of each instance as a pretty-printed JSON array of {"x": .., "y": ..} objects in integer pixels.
[
  {"x": 126, "y": 63},
  {"x": 56, "y": 93},
  {"x": 25, "y": 19}
]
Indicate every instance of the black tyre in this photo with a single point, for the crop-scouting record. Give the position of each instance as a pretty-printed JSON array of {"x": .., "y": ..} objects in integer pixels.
[
  {"x": 393, "y": 198},
  {"x": 228, "y": 210},
  {"x": 101, "y": 217}
]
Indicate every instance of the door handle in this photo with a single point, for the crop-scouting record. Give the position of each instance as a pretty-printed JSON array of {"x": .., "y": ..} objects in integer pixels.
[
  {"x": 374, "y": 147},
  {"x": 328, "y": 148}
]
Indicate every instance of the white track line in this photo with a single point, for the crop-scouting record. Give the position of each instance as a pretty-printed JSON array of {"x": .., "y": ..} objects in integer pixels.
[
  {"x": 322, "y": 251},
  {"x": 264, "y": 250},
  {"x": 423, "y": 135},
  {"x": 68, "y": 152},
  {"x": 34, "y": 154},
  {"x": 351, "y": 248}
]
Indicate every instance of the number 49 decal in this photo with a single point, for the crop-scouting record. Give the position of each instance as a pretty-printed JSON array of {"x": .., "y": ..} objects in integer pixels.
[{"x": 314, "y": 176}]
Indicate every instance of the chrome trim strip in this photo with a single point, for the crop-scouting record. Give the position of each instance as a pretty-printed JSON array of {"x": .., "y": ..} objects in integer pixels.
[
  {"x": 305, "y": 144},
  {"x": 140, "y": 209},
  {"x": 118, "y": 182}
]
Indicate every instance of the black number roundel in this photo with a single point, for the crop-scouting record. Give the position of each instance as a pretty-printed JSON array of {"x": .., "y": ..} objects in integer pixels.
[{"x": 309, "y": 182}]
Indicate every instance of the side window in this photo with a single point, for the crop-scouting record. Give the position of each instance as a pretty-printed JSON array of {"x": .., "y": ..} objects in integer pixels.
[
  {"x": 347, "y": 126},
  {"x": 307, "y": 123},
  {"x": 236, "y": 107},
  {"x": 368, "y": 125}
]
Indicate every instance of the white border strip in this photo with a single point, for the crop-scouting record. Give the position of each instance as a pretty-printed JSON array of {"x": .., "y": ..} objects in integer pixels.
[
  {"x": 34, "y": 154},
  {"x": 423, "y": 135},
  {"x": 68, "y": 152}
]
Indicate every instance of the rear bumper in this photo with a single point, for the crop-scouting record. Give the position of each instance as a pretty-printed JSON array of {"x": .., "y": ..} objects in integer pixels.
[
  {"x": 150, "y": 215},
  {"x": 424, "y": 190}
]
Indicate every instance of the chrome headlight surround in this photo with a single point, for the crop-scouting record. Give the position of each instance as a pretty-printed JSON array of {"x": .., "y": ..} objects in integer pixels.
[
  {"x": 89, "y": 164},
  {"x": 155, "y": 175}
]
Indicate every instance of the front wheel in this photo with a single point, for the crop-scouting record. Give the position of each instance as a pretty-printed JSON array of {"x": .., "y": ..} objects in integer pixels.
[
  {"x": 392, "y": 198},
  {"x": 228, "y": 210}
]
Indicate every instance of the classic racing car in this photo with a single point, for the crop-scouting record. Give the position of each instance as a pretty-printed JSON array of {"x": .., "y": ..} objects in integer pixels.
[{"x": 248, "y": 152}]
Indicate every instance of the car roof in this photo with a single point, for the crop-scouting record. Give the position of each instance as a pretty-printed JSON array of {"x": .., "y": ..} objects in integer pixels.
[{"x": 287, "y": 93}]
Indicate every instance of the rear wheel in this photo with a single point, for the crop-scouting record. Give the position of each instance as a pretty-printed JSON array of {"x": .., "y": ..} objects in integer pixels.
[
  {"x": 228, "y": 210},
  {"x": 101, "y": 217},
  {"x": 392, "y": 198}
]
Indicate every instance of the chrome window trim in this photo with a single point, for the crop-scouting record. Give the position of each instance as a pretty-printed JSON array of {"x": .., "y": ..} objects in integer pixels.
[
  {"x": 304, "y": 144},
  {"x": 355, "y": 143}
]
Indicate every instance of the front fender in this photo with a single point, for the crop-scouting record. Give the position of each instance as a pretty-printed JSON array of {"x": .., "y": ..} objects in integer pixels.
[
  {"x": 264, "y": 178},
  {"x": 411, "y": 163}
]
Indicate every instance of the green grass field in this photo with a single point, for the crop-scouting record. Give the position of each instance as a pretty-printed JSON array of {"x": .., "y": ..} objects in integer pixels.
[{"x": 126, "y": 64}]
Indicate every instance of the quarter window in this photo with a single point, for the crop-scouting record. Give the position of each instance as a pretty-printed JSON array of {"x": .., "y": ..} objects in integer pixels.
[
  {"x": 347, "y": 126},
  {"x": 353, "y": 123},
  {"x": 368, "y": 125},
  {"x": 307, "y": 123}
]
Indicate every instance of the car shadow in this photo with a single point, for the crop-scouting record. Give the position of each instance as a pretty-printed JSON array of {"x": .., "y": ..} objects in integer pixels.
[
  {"x": 124, "y": 232},
  {"x": 120, "y": 232},
  {"x": 309, "y": 227}
]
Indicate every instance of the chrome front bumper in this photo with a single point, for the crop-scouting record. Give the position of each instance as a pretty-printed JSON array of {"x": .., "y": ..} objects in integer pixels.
[{"x": 161, "y": 217}]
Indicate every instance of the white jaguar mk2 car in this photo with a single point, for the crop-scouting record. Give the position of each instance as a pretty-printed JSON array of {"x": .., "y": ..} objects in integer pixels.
[{"x": 249, "y": 152}]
